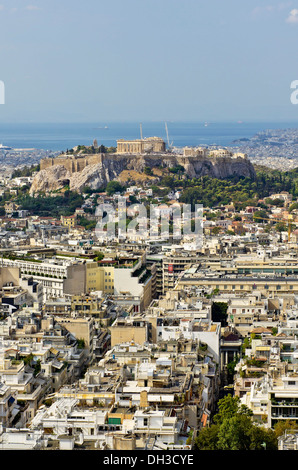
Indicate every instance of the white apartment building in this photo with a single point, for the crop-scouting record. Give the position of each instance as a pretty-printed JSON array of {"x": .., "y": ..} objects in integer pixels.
[
  {"x": 153, "y": 423},
  {"x": 57, "y": 276},
  {"x": 26, "y": 387},
  {"x": 64, "y": 417},
  {"x": 22, "y": 439},
  {"x": 275, "y": 398},
  {"x": 197, "y": 330},
  {"x": 243, "y": 312},
  {"x": 7, "y": 405}
]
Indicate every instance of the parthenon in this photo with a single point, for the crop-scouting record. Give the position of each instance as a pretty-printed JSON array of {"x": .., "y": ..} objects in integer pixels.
[{"x": 146, "y": 145}]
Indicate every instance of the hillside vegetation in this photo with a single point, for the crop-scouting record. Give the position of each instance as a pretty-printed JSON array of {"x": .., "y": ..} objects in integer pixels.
[{"x": 210, "y": 192}]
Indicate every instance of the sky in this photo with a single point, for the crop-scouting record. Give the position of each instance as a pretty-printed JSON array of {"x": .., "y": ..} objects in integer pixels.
[{"x": 134, "y": 60}]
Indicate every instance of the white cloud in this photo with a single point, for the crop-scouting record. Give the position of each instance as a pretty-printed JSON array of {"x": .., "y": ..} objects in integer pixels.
[
  {"x": 293, "y": 16},
  {"x": 258, "y": 10},
  {"x": 283, "y": 5},
  {"x": 265, "y": 9},
  {"x": 15, "y": 9},
  {"x": 32, "y": 7}
]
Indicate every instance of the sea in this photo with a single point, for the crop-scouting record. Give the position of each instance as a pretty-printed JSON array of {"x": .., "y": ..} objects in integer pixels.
[{"x": 62, "y": 136}]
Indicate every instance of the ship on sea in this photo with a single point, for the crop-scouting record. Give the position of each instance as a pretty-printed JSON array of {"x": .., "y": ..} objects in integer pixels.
[{"x": 5, "y": 147}]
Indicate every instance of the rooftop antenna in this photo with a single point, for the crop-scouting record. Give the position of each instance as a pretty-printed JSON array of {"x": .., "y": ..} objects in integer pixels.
[{"x": 141, "y": 130}]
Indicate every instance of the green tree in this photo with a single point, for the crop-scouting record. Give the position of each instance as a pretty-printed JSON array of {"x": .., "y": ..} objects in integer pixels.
[
  {"x": 231, "y": 369},
  {"x": 285, "y": 425},
  {"x": 260, "y": 216},
  {"x": 37, "y": 367},
  {"x": 81, "y": 343},
  {"x": 102, "y": 149},
  {"x": 230, "y": 406},
  {"x": 114, "y": 187},
  {"x": 239, "y": 433},
  {"x": 28, "y": 359},
  {"x": 25, "y": 171},
  {"x": 215, "y": 230},
  {"x": 280, "y": 227},
  {"x": 219, "y": 312},
  {"x": 207, "y": 438},
  {"x": 274, "y": 202},
  {"x": 262, "y": 438},
  {"x": 233, "y": 429},
  {"x": 168, "y": 181},
  {"x": 293, "y": 206},
  {"x": 234, "y": 433},
  {"x": 99, "y": 256},
  {"x": 148, "y": 171},
  {"x": 86, "y": 223}
]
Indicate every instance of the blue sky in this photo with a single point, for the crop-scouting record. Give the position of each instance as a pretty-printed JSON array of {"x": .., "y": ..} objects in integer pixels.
[{"x": 133, "y": 60}]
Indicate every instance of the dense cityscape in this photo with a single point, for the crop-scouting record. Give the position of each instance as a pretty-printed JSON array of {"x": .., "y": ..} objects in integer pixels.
[
  {"x": 148, "y": 230},
  {"x": 142, "y": 341},
  {"x": 275, "y": 148}
]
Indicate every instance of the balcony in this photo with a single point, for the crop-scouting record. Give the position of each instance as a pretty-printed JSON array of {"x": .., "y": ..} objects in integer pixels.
[{"x": 30, "y": 396}]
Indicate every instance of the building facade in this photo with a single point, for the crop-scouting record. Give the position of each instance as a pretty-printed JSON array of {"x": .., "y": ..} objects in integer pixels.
[{"x": 150, "y": 144}]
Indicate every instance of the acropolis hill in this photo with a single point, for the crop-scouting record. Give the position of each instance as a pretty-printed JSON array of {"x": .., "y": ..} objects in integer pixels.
[{"x": 95, "y": 170}]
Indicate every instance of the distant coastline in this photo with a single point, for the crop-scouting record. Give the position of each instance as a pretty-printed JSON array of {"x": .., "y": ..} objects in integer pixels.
[{"x": 60, "y": 137}]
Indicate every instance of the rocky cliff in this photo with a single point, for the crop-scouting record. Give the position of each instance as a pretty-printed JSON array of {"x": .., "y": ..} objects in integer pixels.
[{"x": 108, "y": 167}]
